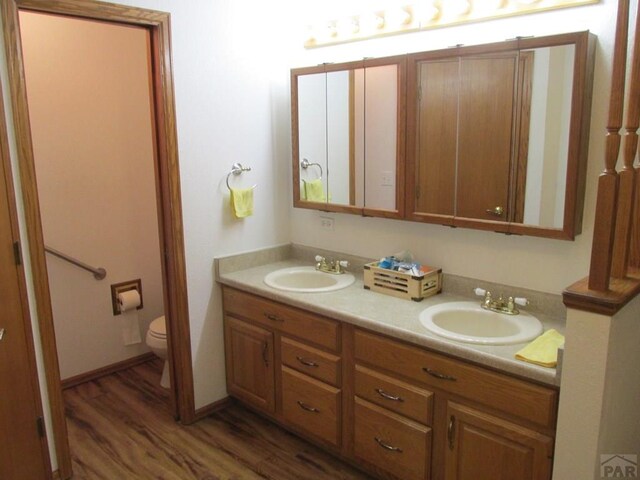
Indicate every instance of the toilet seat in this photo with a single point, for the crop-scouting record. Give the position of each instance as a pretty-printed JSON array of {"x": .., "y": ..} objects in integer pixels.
[{"x": 158, "y": 328}]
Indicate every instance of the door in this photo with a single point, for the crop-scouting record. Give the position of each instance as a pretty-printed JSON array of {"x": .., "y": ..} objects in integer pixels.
[
  {"x": 23, "y": 451},
  {"x": 249, "y": 361},
  {"x": 483, "y": 447}
]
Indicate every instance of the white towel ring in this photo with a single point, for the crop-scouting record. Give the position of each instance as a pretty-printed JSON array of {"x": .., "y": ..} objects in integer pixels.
[{"x": 237, "y": 169}]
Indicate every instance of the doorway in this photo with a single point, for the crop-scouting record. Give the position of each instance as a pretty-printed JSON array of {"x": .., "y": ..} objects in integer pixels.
[{"x": 156, "y": 25}]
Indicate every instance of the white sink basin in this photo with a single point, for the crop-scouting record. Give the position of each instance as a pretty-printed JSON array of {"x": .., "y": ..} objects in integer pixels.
[
  {"x": 307, "y": 279},
  {"x": 469, "y": 322}
]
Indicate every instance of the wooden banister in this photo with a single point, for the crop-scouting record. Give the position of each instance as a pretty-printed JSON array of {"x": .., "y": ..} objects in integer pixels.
[
  {"x": 626, "y": 211},
  {"x": 605, "y": 221}
]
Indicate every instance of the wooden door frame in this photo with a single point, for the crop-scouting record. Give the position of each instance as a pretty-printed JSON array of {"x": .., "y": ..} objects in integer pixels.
[{"x": 167, "y": 187}]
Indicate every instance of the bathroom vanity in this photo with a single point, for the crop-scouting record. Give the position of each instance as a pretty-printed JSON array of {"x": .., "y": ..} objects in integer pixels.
[{"x": 398, "y": 404}]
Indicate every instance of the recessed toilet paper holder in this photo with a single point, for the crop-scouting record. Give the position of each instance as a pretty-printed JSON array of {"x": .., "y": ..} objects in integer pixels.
[{"x": 121, "y": 287}]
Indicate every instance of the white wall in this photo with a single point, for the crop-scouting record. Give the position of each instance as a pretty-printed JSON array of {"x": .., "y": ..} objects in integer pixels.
[
  {"x": 540, "y": 264},
  {"x": 90, "y": 112}
]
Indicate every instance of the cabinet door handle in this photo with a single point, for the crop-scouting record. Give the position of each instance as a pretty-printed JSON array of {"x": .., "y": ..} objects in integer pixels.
[
  {"x": 273, "y": 318},
  {"x": 497, "y": 211},
  {"x": 307, "y": 407},
  {"x": 308, "y": 363},
  {"x": 384, "y": 394},
  {"x": 265, "y": 357},
  {"x": 439, "y": 375},
  {"x": 1, "y": 333},
  {"x": 386, "y": 446},
  {"x": 451, "y": 432}
]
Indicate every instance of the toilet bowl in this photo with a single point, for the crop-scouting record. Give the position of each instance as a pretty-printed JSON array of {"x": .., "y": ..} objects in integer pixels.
[{"x": 157, "y": 341}]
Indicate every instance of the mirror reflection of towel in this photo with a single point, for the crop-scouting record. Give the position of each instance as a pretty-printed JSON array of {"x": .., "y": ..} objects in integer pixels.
[
  {"x": 242, "y": 202},
  {"x": 314, "y": 191}
]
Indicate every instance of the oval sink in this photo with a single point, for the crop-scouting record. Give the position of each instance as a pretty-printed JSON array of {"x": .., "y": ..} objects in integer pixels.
[
  {"x": 307, "y": 280},
  {"x": 469, "y": 322}
]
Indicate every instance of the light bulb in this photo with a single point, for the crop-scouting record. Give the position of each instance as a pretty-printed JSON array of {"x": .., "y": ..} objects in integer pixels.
[
  {"x": 347, "y": 27},
  {"x": 397, "y": 17},
  {"x": 458, "y": 7},
  {"x": 371, "y": 22}
]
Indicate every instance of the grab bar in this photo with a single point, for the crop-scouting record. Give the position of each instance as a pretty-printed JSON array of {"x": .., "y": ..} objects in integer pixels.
[
  {"x": 98, "y": 273},
  {"x": 306, "y": 164}
]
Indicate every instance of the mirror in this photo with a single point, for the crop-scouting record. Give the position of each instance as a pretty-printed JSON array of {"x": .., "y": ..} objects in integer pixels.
[
  {"x": 348, "y": 144},
  {"x": 499, "y": 140},
  {"x": 496, "y": 135}
]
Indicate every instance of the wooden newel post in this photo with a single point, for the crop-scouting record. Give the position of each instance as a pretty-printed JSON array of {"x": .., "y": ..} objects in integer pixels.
[{"x": 605, "y": 222}]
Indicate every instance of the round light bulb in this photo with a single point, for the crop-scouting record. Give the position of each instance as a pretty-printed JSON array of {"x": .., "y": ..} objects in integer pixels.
[
  {"x": 371, "y": 22},
  {"x": 397, "y": 17}
]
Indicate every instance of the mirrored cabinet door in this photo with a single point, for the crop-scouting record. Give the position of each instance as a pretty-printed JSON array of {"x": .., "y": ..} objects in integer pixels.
[{"x": 348, "y": 136}]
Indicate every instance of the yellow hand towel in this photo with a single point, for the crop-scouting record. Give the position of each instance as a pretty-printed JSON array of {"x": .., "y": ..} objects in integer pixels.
[
  {"x": 242, "y": 202},
  {"x": 543, "y": 350},
  {"x": 314, "y": 191}
]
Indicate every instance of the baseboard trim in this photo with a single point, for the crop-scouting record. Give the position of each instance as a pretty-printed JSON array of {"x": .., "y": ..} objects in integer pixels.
[
  {"x": 211, "y": 408},
  {"x": 108, "y": 370}
]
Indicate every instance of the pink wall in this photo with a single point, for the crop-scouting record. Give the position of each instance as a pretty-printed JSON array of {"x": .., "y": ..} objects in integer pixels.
[{"x": 89, "y": 102}]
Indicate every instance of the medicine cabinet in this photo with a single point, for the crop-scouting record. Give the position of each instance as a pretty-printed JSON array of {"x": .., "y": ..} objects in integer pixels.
[
  {"x": 348, "y": 136},
  {"x": 496, "y": 135}
]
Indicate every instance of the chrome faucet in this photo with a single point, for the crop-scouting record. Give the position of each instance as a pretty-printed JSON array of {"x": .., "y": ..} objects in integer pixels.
[
  {"x": 335, "y": 267},
  {"x": 501, "y": 305}
]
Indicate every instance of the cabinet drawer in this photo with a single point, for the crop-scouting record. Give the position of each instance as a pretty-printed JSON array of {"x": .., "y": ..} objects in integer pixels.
[
  {"x": 298, "y": 323},
  {"x": 391, "y": 442},
  {"x": 500, "y": 392},
  {"x": 315, "y": 363},
  {"x": 311, "y": 405},
  {"x": 395, "y": 395}
]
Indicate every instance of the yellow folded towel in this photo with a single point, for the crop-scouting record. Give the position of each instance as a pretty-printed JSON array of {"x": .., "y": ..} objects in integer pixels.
[
  {"x": 314, "y": 191},
  {"x": 242, "y": 202},
  {"x": 543, "y": 350}
]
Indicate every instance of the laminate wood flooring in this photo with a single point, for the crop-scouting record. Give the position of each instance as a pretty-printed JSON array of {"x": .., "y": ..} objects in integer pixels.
[{"x": 120, "y": 428}]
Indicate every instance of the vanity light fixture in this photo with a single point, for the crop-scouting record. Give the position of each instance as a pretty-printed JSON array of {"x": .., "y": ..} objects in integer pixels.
[{"x": 425, "y": 14}]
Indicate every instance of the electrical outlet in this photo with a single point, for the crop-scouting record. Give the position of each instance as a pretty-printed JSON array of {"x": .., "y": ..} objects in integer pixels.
[
  {"x": 326, "y": 223},
  {"x": 387, "y": 179}
]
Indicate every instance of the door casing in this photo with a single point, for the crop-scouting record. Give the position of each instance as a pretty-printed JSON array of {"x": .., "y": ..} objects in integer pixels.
[{"x": 167, "y": 186}]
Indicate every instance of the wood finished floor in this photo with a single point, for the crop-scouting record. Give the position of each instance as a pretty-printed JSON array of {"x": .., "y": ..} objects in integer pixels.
[{"x": 120, "y": 429}]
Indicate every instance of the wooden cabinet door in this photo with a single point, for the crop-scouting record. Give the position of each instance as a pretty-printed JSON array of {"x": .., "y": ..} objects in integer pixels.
[
  {"x": 483, "y": 447},
  {"x": 485, "y": 133},
  {"x": 250, "y": 363}
]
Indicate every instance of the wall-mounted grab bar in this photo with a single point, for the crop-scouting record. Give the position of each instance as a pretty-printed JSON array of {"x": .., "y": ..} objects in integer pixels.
[
  {"x": 237, "y": 169},
  {"x": 306, "y": 164},
  {"x": 99, "y": 273}
]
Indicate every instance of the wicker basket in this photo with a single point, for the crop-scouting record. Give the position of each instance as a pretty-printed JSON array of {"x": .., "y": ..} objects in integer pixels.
[{"x": 402, "y": 285}]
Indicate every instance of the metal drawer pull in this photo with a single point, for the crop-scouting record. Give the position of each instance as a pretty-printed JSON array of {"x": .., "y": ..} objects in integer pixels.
[
  {"x": 451, "y": 431},
  {"x": 272, "y": 317},
  {"x": 308, "y": 363},
  {"x": 1, "y": 333},
  {"x": 384, "y": 394},
  {"x": 439, "y": 375},
  {"x": 308, "y": 408},
  {"x": 386, "y": 446}
]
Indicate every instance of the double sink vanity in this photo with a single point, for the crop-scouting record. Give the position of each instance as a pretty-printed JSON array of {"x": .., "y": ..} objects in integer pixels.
[{"x": 363, "y": 374}]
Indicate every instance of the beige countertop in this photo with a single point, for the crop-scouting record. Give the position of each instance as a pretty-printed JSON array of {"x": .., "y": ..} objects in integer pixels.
[{"x": 391, "y": 316}]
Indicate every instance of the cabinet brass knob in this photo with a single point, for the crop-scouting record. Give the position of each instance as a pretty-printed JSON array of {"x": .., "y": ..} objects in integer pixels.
[{"x": 497, "y": 211}]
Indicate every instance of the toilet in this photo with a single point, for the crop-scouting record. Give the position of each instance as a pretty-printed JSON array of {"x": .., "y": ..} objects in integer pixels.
[{"x": 157, "y": 341}]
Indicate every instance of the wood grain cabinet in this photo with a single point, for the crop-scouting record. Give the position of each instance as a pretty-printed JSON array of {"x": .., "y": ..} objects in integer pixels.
[
  {"x": 397, "y": 410},
  {"x": 249, "y": 363}
]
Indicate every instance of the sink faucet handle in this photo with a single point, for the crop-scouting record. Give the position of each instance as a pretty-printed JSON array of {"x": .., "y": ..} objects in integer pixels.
[
  {"x": 481, "y": 292},
  {"x": 320, "y": 258},
  {"x": 521, "y": 301},
  {"x": 343, "y": 263}
]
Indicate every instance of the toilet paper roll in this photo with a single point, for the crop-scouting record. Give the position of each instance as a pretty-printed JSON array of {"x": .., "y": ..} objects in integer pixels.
[{"x": 128, "y": 300}]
